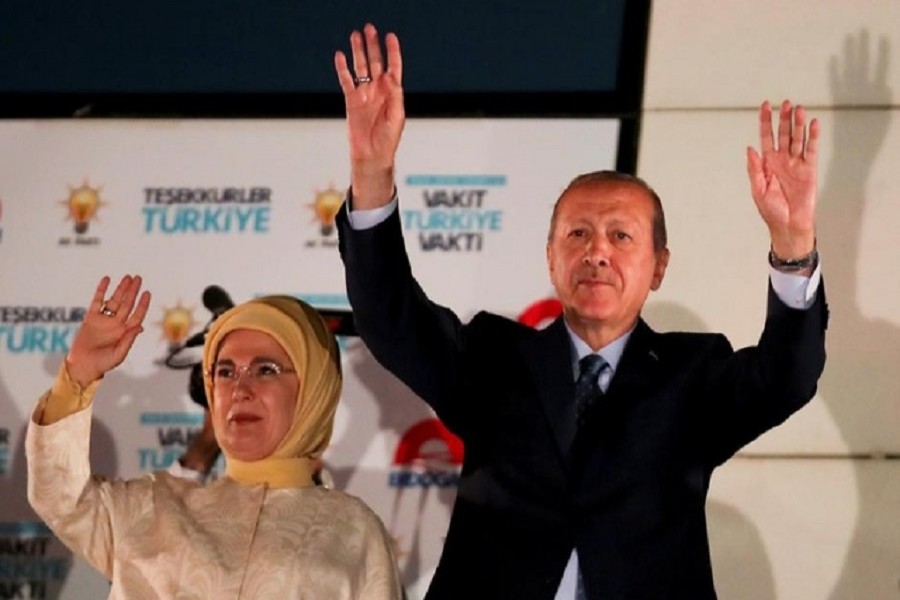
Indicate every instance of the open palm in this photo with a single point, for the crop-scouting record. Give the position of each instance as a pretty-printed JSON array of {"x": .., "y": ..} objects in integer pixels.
[
  {"x": 109, "y": 329},
  {"x": 373, "y": 99},
  {"x": 783, "y": 178}
]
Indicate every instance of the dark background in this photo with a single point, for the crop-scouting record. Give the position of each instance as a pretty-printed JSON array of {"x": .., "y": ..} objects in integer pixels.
[{"x": 273, "y": 58}]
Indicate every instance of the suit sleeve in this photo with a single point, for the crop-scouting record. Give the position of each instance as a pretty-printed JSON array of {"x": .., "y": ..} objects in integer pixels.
[
  {"x": 759, "y": 387},
  {"x": 415, "y": 339}
]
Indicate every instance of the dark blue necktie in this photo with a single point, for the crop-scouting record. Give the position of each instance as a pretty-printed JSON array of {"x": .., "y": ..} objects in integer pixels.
[
  {"x": 587, "y": 393},
  {"x": 587, "y": 388}
]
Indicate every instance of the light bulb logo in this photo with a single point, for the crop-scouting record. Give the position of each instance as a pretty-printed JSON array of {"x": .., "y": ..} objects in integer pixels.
[
  {"x": 326, "y": 206},
  {"x": 83, "y": 203},
  {"x": 177, "y": 323}
]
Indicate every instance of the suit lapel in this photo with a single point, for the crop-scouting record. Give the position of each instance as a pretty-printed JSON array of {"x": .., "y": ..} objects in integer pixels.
[
  {"x": 548, "y": 354},
  {"x": 549, "y": 358},
  {"x": 636, "y": 375},
  {"x": 638, "y": 367}
]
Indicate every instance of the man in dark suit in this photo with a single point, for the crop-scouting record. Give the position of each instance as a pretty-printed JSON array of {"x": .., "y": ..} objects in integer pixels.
[{"x": 583, "y": 477}]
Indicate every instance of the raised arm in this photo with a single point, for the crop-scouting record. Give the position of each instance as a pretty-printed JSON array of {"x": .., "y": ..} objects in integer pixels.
[
  {"x": 375, "y": 114},
  {"x": 109, "y": 329},
  {"x": 783, "y": 178},
  {"x": 78, "y": 507}
]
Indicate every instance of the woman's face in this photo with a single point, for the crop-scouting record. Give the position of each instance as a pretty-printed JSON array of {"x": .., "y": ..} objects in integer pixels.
[{"x": 255, "y": 392}]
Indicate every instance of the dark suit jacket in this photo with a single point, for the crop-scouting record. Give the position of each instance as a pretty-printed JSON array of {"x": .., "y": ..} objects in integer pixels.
[{"x": 629, "y": 489}]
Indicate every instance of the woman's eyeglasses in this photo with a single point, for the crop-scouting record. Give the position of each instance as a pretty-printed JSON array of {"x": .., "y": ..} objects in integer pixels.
[{"x": 227, "y": 373}]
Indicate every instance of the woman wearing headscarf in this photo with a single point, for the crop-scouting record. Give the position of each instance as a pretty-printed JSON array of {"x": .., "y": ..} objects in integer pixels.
[{"x": 272, "y": 376}]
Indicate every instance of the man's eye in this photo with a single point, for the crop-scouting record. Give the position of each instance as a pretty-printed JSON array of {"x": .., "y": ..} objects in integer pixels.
[
  {"x": 577, "y": 233},
  {"x": 622, "y": 235}
]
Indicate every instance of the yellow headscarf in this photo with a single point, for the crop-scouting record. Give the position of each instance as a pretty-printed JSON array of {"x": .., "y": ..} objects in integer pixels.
[{"x": 302, "y": 332}]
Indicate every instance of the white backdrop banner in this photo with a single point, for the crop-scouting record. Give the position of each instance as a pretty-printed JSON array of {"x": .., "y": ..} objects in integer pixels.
[{"x": 249, "y": 206}]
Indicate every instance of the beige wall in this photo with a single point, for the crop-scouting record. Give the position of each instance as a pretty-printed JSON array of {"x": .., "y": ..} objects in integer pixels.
[{"x": 812, "y": 509}]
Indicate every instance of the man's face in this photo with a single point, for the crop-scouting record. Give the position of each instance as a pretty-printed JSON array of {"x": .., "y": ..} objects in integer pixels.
[{"x": 601, "y": 257}]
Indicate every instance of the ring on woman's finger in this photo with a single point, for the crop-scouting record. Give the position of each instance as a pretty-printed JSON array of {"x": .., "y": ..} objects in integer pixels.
[
  {"x": 106, "y": 311},
  {"x": 359, "y": 80}
]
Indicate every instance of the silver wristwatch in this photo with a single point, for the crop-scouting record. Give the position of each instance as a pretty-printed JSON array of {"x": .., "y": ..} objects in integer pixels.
[{"x": 789, "y": 265}]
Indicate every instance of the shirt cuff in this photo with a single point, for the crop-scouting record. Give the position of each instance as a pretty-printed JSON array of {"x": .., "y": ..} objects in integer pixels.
[
  {"x": 370, "y": 217},
  {"x": 796, "y": 291},
  {"x": 65, "y": 398}
]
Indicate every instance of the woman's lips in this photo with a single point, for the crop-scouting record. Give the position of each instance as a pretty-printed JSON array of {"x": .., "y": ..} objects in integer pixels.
[{"x": 240, "y": 418}]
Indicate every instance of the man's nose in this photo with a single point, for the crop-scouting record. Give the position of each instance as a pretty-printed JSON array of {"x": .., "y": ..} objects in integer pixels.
[{"x": 596, "y": 251}]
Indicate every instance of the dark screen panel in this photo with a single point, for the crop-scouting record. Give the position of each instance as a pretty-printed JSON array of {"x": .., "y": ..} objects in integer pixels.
[
  {"x": 274, "y": 58},
  {"x": 285, "y": 47}
]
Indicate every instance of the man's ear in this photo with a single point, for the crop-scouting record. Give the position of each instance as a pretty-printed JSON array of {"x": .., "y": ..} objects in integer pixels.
[
  {"x": 659, "y": 269},
  {"x": 549, "y": 251}
]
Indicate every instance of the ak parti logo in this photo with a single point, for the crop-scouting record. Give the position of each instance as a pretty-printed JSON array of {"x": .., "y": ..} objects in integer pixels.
[
  {"x": 177, "y": 323},
  {"x": 82, "y": 205},
  {"x": 325, "y": 208}
]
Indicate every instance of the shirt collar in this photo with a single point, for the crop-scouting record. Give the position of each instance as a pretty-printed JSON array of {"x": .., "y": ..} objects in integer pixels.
[{"x": 611, "y": 352}]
